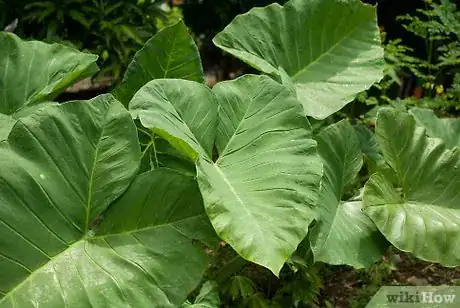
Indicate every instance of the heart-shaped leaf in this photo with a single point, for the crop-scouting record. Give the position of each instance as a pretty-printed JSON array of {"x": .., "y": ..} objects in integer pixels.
[
  {"x": 260, "y": 192},
  {"x": 32, "y": 71},
  {"x": 171, "y": 53},
  {"x": 421, "y": 214},
  {"x": 447, "y": 129},
  {"x": 329, "y": 48},
  {"x": 60, "y": 168},
  {"x": 260, "y": 205},
  {"x": 182, "y": 112}
]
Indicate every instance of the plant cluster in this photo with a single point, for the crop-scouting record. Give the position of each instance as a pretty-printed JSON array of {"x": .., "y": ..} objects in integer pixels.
[
  {"x": 435, "y": 68},
  {"x": 122, "y": 200},
  {"x": 114, "y": 30}
]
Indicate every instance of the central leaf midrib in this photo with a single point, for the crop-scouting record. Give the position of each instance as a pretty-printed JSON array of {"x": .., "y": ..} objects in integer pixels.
[
  {"x": 26, "y": 89},
  {"x": 326, "y": 52},
  {"x": 243, "y": 118},
  {"x": 168, "y": 62},
  {"x": 223, "y": 176},
  {"x": 90, "y": 185},
  {"x": 339, "y": 207}
]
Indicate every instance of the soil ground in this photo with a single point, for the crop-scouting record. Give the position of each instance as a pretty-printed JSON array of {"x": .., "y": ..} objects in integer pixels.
[{"x": 345, "y": 287}]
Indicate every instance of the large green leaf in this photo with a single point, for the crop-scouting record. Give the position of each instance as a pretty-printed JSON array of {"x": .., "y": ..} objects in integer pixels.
[
  {"x": 329, "y": 48},
  {"x": 260, "y": 193},
  {"x": 7, "y": 121},
  {"x": 181, "y": 112},
  {"x": 447, "y": 129},
  {"x": 343, "y": 233},
  {"x": 60, "y": 169},
  {"x": 152, "y": 229},
  {"x": 421, "y": 214},
  {"x": 32, "y": 71},
  {"x": 171, "y": 53}
]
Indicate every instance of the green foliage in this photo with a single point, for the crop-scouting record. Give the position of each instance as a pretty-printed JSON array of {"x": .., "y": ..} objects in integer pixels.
[
  {"x": 239, "y": 287},
  {"x": 325, "y": 73},
  {"x": 446, "y": 129},
  {"x": 420, "y": 214},
  {"x": 122, "y": 200},
  {"x": 207, "y": 298},
  {"x": 38, "y": 75},
  {"x": 396, "y": 60},
  {"x": 300, "y": 286},
  {"x": 114, "y": 30},
  {"x": 73, "y": 177},
  {"x": 186, "y": 64},
  {"x": 439, "y": 26},
  {"x": 373, "y": 279},
  {"x": 435, "y": 68},
  {"x": 344, "y": 234}
]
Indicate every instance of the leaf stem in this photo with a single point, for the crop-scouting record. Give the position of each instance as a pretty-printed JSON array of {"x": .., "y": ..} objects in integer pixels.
[
  {"x": 145, "y": 132},
  {"x": 146, "y": 149},
  {"x": 156, "y": 163}
]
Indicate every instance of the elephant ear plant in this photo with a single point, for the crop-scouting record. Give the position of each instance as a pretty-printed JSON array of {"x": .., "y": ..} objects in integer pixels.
[{"x": 86, "y": 222}]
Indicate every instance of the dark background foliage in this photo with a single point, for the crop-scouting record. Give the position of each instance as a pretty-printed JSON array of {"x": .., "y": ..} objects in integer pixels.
[{"x": 116, "y": 29}]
